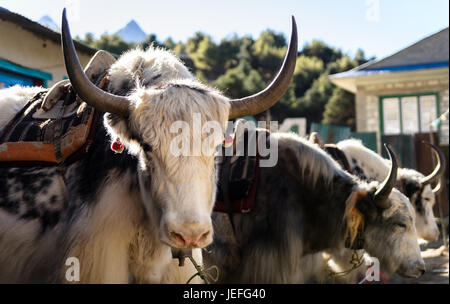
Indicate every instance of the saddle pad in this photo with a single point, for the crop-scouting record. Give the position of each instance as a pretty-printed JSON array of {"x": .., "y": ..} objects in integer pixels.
[
  {"x": 242, "y": 180},
  {"x": 32, "y": 141},
  {"x": 242, "y": 191}
]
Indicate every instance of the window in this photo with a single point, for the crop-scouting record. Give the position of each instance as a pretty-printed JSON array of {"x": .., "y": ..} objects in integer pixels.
[
  {"x": 427, "y": 112},
  {"x": 391, "y": 114},
  {"x": 410, "y": 119},
  {"x": 408, "y": 114}
]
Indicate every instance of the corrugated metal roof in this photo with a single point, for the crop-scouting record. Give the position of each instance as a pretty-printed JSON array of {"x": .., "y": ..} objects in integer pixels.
[
  {"x": 430, "y": 50},
  {"x": 428, "y": 53},
  {"x": 40, "y": 30}
]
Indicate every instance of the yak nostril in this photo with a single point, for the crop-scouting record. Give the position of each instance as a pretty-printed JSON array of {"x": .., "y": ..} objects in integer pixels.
[
  {"x": 422, "y": 272},
  {"x": 203, "y": 237},
  {"x": 178, "y": 237},
  {"x": 186, "y": 241}
]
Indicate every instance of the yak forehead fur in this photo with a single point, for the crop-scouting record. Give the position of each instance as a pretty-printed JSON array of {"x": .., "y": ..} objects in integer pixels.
[
  {"x": 158, "y": 66},
  {"x": 166, "y": 93}
]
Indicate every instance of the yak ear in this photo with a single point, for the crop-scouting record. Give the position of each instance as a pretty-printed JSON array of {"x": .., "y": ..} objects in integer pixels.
[{"x": 365, "y": 204}]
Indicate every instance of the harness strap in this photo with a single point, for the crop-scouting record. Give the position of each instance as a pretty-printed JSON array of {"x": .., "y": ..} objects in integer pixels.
[
  {"x": 225, "y": 186},
  {"x": 57, "y": 136},
  {"x": 57, "y": 142}
]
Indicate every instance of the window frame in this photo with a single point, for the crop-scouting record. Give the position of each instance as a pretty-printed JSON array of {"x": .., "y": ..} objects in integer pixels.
[{"x": 399, "y": 96}]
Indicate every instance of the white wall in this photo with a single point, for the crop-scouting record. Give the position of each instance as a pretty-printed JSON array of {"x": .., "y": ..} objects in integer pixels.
[{"x": 26, "y": 49}]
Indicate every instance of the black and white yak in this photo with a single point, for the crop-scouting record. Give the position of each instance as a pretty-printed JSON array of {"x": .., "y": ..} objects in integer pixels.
[
  {"x": 121, "y": 213},
  {"x": 368, "y": 165},
  {"x": 306, "y": 204}
]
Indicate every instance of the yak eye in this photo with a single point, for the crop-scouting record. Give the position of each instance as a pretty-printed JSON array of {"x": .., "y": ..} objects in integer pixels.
[
  {"x": 146, "y": 147},
  {"x": 401, "y": 225}
]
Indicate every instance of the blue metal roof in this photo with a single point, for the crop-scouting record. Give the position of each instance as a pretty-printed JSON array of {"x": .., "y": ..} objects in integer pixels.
[
  {"x": 429, "y": 53},
  {"x": 392, "y": 69}
]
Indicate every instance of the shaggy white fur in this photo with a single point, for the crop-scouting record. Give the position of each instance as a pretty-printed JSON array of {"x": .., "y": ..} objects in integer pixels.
[
  {"x": 126, "y": 231},
  {"x": 12, "y": 101}
]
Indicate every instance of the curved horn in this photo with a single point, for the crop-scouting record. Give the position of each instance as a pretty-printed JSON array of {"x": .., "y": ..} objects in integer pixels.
[
  {"x": 397, "y": 156},
  {"x": 92, "y": 95},
  {"x": 263, "y": 100},
  {"x": 385, "y": 188},
  {"x": 438, "y": 188},
  {"x": 440, "y": 167}
]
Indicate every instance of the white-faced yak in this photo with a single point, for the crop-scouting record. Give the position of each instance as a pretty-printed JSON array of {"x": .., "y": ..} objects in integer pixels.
[{"x": 120, "y": 214}]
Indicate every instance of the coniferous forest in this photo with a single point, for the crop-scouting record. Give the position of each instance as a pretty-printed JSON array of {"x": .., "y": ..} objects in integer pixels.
[{"x": 241, "y": 66}]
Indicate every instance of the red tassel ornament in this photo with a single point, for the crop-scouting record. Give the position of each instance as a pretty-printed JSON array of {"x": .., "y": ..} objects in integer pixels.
[{"x": 117, "y": 146}]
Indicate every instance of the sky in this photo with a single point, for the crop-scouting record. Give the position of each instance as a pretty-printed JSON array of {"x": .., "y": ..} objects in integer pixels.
[{"x": 379, "y": 27}]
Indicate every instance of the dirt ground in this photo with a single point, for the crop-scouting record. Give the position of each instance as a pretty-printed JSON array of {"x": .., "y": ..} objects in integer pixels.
[{"x": 436, "y": 258}]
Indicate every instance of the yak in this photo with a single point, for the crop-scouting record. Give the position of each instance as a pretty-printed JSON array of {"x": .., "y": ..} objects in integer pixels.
[
  {"x": 370, "y": 166},
  {"x": 307, "y": 204},
  {"x": 120, "y": 214}
]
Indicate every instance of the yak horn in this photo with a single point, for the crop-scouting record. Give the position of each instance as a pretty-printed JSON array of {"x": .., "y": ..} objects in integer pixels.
[
  {"x": 440, "y": 167},
  {"x": 88, "y": 92},
  {"x": 385, "y": 188},
  {"x": 263, "y": 100},
  {"x": 437, "y": 189}
]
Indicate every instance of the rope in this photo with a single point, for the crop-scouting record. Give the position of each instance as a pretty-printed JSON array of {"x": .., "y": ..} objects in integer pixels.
[
  {"x": 356, "y": 261},
  {"x": 203, "y": 273}
]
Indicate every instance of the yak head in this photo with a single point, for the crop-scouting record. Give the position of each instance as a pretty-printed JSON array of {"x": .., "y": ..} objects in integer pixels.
[
  {"x": 417, "y": 188},
  {"x": 389, "y": 226},
  {"x": 154, "y": 104}
]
